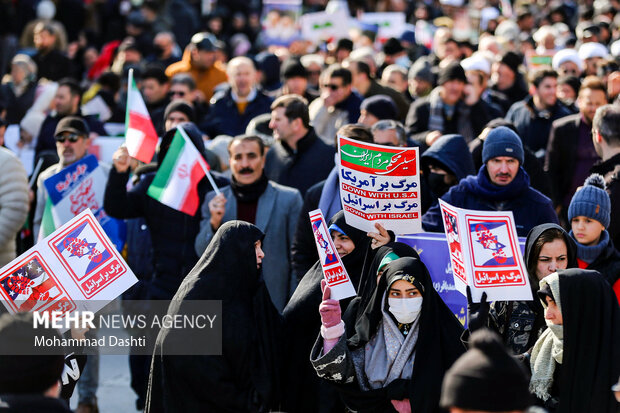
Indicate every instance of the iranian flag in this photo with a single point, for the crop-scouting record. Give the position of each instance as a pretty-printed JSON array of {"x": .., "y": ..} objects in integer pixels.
[
  {"x": 140, "y": 136},
  {"x": 176, "y": 181}
]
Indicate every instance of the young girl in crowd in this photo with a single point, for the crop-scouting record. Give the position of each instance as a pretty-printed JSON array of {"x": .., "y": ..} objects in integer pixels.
[
  {"x": 589, "y": 214},
  {"x": 576, "y": 360},
  {"x": 404, "y": 341}
]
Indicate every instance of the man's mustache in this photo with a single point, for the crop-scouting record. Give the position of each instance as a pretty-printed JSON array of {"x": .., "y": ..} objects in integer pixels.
[{"x": 246, "y": 171}]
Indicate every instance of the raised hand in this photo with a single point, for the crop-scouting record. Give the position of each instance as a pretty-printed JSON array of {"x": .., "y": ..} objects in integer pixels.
[
  {"x": 329, "y": 308},
  {"x": 477, "y": 313}
]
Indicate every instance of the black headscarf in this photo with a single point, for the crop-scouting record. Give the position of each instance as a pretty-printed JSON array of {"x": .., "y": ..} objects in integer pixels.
[
  {"x": 302, "y": 321},
  {"x": 591, "y": 362},
  {"x": 368, "y": 280},
  {"x": 437, "y": 347},
  {"x": 530, "y": 260},
  {"x": 250, "y": 333}
]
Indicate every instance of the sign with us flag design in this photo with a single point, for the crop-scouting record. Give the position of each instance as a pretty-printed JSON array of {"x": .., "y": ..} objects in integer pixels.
[{"x": 75, "y": 268}]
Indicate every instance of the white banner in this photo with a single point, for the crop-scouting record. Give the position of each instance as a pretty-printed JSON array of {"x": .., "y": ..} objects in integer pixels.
[{"x": 485, "y": 254}]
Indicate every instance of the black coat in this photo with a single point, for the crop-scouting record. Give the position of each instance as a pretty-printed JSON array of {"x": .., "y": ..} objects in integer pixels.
[
  {"x": 310, "y": 163},
  {"x": 224, "y": 117},
  {"x": 561, "y": 156},
  {"x": 419, "y": 114},
  {"x": 32, "y": 403},
  {"x": 303, "y": 250},
  {"x": 172, "y": 232},
  {"x": 610, "y": 169},
  {"x": 52, "y": 66},
  {"x": 244, "y": 377},
  {"x": 538, "y": 178}
]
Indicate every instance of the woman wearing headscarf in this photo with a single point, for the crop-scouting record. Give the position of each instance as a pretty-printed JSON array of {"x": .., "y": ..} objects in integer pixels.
[
  {"x": 548, "y": 248},
  {"x": 576, "y": 360},
  {"x": 403, "y": 343},
  {"x": 301, "y": 322},
  {"x": 243, "y": 378}
]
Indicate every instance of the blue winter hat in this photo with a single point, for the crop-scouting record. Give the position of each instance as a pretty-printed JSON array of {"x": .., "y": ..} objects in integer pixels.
[
  {"x": 591, "y": 201},
  {"x": 502, "y": 141}
]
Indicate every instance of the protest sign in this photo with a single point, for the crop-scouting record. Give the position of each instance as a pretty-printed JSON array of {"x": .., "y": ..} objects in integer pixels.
[
  {"x": 77, "y": 187},
  {"x": 280, "y": 20},
  {"x": 380, "y": 184},
  {"x": 536, "y": 61},
  {"x": 333, "y": 269},
  {"x": 391, "y": 24},
  {"x": 319, "y": 26},
  {"x": 434, "y": 252},
  {"x": 484, "y": 253},
  {"x": 75, "y": 268}
]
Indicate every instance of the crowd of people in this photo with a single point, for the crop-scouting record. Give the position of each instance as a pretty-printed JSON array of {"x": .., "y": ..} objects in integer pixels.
[{"x": 519, "y": 112}]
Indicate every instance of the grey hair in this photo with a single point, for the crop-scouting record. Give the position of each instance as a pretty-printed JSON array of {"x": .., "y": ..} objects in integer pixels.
[
  {"x": 607, "y": 122},
  {"x": 389, "y": 124}
]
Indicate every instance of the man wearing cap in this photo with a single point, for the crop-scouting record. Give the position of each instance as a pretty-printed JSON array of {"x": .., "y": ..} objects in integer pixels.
[
  {"x": 375, "y": 109},
  {"x": 232, "y": 109},
  {"x": 500, "y": 185},
  {"x": 294, "y": 78},
  {"x": 447, "y": 110},
  {"x": 534, "y": 115},
  {"x": 478, "y": 71},
  {"x": 421, "y": 79},
  {"x": 591, "y": 54},
  {"x": 570, "y": 151},
  {"x": 199, "y": 61},
  {"x": 251, "y": 197},
  {"x": 507, "y": 79},
  {"x": 72, "y": 141},
  {"x": 365, "y": 84}
]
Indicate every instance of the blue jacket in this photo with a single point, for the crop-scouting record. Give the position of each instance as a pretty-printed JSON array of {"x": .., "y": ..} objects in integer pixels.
[
  {"x": 224, "y": 117},
  {"x": 529, "y": 207}
]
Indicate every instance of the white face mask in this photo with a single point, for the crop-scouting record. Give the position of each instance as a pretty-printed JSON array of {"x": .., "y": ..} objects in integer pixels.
[{"x": 405, "y": 310}]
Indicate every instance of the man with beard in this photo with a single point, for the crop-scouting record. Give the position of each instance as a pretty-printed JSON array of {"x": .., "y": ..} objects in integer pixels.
[
  {"x": 501, "y": 185},
  {"x": 72, "y": 143},
  {"x": 251, "y": 197}
]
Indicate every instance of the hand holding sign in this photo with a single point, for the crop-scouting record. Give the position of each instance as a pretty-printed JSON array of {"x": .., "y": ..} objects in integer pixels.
[
  {"x": 477, "y": 313},
  {"x": 380, "y": 238},
  {"x": 329, "y": 308}
]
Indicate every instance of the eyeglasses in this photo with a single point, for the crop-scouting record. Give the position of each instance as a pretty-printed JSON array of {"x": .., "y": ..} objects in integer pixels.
[
  {"x": 177, "y": 92},
  {"x": 73, "y": 137},
  {"x": 332, "y": 86}
]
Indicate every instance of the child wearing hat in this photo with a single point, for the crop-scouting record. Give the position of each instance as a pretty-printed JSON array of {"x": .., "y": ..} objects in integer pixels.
[{"x": 589, "y": 215}]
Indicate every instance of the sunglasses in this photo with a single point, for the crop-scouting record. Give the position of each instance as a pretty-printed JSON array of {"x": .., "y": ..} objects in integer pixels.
[
  {"x": 332, "y": 86},
  {"x": 177, "y": 92},
  {"x": 74, "y": 137}
]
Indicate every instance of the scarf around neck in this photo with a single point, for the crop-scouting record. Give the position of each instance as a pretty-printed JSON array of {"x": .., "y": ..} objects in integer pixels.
[
  {"x": 481, "y": 185},
  {"x": 590, "y": 253},
  {"x": 390, "y": 355},
  {"x": 250, "y": 192},
  {"x": 549, "y": 347},
  {"x": 461, "y": 111}
]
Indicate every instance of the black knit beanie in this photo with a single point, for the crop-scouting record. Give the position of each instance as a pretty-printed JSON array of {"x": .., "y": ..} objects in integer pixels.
[
  {"x": 21, "y": 374},
  {"x": 512, "y": 60},
  {"x": 380, "y": 106},
  {"x": 454, "y": 71},
  {"x": 179, "y": 106},
  {"x": 486, "y": 378}
]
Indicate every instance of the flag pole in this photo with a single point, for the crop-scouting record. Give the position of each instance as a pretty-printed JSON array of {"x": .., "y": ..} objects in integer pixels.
[{"x": 201, "y": 162}]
